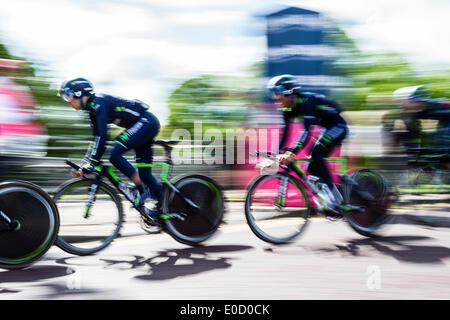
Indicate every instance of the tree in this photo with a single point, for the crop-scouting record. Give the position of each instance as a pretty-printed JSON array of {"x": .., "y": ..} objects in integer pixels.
[
  {"x": 215, "y": 100},
  {"x": 371, "y": 78}
]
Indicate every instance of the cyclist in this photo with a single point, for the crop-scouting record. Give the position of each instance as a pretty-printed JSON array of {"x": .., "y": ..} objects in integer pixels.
[
  {"x": 141, "y": 128},
  {"x": 314, "y": 109},
  {"x": 417, "y": 104}
]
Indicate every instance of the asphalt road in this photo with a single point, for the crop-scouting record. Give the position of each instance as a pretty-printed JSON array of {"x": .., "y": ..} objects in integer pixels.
[{"x": 329, "y": 261}]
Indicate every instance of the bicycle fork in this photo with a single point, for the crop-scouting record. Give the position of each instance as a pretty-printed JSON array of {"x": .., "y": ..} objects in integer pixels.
[
  {"x": 92, "y": 197},
  {"x": 282, "y": 192}
]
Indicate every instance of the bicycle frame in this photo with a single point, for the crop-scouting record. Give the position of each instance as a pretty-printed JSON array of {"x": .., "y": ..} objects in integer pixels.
[
  {"x": 302, "y": 173},
  {"x": 165, "y": 173},
  {"x": 303, "y": 178},
  {"x": 108, "y": 172}
]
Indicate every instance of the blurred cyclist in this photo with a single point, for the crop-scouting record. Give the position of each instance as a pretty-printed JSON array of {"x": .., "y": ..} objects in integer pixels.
[
  {"x": 416, "y": 104},
  {"x": 141, "y": 128},
  {"x": 313, "y": 109}
]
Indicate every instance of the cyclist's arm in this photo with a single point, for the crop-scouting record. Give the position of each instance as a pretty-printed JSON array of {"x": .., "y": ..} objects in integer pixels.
[
  {"x": 319, "y": 104},
  {"x": 100, "y": 131},
  {"x": 308, "y": 121},
  {"x": 286, "y": 133},
  {"x": 442, "y": 115}
]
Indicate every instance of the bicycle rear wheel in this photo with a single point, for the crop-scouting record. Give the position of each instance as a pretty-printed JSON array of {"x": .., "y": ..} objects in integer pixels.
[
  {"x": 38, "y": 221},
  {"x": 199, "y": 223},
  {"x": 81, "y": 235},
  {"x": 374, "y": 214},
  {"x": 277, "y": 208}
]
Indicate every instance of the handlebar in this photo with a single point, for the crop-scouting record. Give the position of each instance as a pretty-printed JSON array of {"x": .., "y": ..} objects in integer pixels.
[
  {"x": 73, "y": 164},
  {"x": 271, "y": 156},
  {"x": 266, "y": 154}
]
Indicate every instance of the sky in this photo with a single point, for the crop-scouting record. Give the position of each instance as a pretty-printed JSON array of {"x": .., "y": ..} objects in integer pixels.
[{"x": 143, "y": 48}]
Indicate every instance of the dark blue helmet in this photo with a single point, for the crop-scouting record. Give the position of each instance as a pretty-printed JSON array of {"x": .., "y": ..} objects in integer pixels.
[
  {"x": 76, "y": 88},
  {"x": 282, "y": 85}
]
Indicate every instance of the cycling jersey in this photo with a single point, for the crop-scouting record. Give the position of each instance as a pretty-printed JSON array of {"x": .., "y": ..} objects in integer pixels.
[
  {"x": 313, "y": 109},
  {"x": 141, "y": 128},
  {"x": 104, "y": 109},
  {"x": 437, "y": 109}
]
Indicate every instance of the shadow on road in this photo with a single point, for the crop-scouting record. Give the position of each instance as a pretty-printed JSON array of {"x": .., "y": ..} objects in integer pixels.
[
  {"x": 175, "y": 263},
  {"x": 434, "y": 221},
  {"x": 33, "y": 273},
  {"x": 401, "y": 248}
]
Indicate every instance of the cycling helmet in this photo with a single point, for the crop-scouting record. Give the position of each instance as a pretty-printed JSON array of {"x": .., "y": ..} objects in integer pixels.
[
  {"x": 76, "y": 88},
  {"x": 415, "y": 93},
  {"x": 282, "y": 85}
]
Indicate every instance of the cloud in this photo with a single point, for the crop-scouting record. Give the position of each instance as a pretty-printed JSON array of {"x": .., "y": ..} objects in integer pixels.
[
  {"x": 145, "y": 47},
  {"x": 196, "y": 4},
  {"x": 58, "y": 28},
  {"x": 207, "y": 17},
  {"x": 417, "y": 28}
]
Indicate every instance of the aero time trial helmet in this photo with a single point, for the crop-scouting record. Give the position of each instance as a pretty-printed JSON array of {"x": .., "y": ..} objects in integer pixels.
[
  {"x": 282, "y": 85},
  {"x": 75, "y": 88},
  {"x": 414, "y": 93}
]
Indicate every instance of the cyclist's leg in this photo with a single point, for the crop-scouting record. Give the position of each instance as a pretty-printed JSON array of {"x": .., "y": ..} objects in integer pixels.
[
  {"x": 118, "y": 160},
  {"x": 141, "y": 133},
  {"x": 144, "y": 154},
  {"x": 330, "y": 138}
]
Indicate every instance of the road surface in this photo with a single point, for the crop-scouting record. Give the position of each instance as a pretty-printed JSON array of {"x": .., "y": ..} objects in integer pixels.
[{"x": 329, "y": 261}]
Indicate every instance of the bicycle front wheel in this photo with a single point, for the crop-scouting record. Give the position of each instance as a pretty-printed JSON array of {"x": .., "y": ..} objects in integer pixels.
[
  {"x": 200, "y": 223},
  {"x": 87, "y": 228},
  {"x": 38, "y": 222},
  {"x": 277, "y": 208}
]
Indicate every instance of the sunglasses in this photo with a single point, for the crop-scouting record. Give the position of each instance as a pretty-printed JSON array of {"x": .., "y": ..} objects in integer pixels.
[{"x": 67, "y": 94}]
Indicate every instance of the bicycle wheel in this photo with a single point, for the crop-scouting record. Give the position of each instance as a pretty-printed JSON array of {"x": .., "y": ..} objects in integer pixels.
[
  {"x": 38, "y": 224},
  {"x": 374, "y": 214},
  {"x": 273, "y": 217},
  {"x": 199, "y": 223},
  {"x": 420, "y": 176},
  {"x": 81, "y": 235},
  {"x": 428, "y": 180}
]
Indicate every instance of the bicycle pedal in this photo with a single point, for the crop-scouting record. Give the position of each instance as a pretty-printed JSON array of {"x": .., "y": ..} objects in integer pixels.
[
  {"x": 333, "y": 215},
  {"x": 148, "y": 227},
  {"x": 334, "y": 218},
  {"x": 149, "y": 219}
]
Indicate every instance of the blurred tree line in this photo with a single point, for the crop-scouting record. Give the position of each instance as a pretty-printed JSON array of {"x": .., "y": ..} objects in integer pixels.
[
  {"x": 370, "y": 78},
  {"x": 220, "y": 101},
  {"x": 68, "y": 132}
]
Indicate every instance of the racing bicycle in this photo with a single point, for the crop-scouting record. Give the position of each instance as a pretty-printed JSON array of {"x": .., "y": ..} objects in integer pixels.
[
  {"x": 278, "y": 205},
  {"x": 29, "y": 223},
  {"x": 427, "y": 171},
  {"x": 91, "y": 210}
]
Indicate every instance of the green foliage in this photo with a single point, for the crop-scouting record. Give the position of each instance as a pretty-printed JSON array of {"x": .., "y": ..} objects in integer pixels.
[
  {"x": 371, "y": 78},
  {"x": 217, "y": 101},
  {"x": 68, "y": 132}
]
